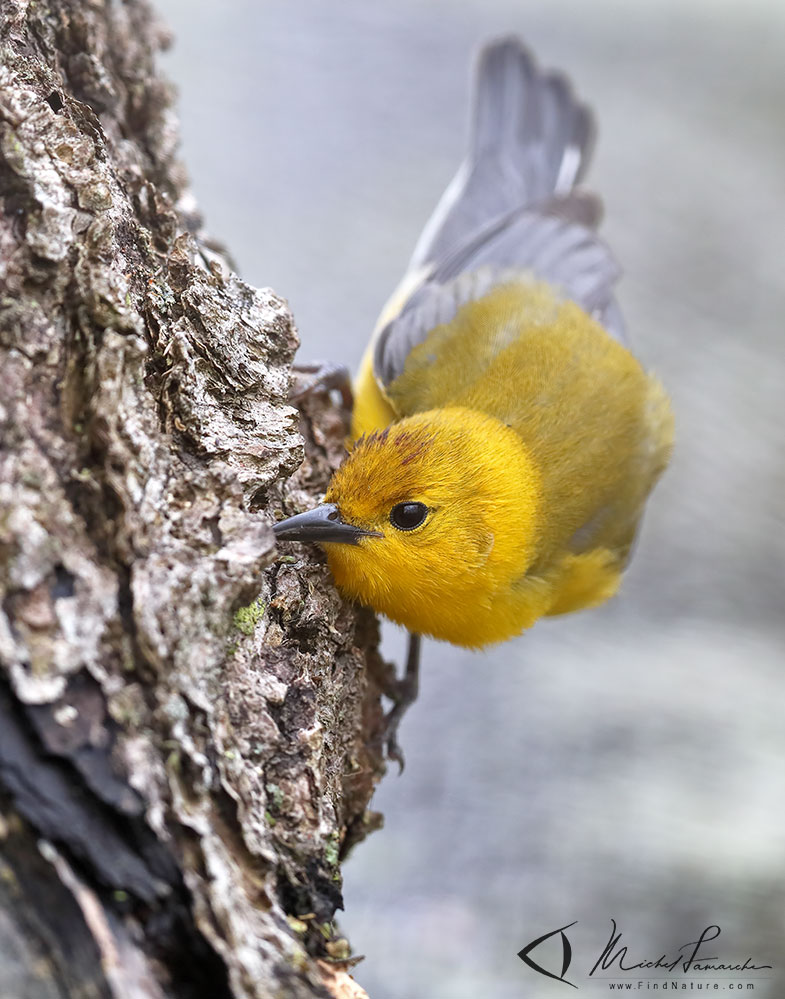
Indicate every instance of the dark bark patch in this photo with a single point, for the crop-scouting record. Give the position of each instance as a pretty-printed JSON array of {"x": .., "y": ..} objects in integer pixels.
[
  {"x": 50, "y": 796},
  {"x": 55, "y": 101}
]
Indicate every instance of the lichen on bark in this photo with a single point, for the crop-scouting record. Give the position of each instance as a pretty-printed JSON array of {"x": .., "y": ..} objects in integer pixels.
[{"x": 189, "y": 727}]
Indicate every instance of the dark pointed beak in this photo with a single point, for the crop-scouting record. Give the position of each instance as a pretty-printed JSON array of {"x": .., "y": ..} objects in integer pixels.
[{"x": 321, "y": 524}]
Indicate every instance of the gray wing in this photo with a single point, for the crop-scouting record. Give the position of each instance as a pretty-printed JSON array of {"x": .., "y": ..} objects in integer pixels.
[
  {"x": 512, "y": 209},
  {"x": 565, "y": 255},
  {"x": 530, "y": 140}
]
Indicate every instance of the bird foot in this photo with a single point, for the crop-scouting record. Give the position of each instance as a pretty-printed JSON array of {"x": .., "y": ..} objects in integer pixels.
[
  {"x": 403, "y": 693},
  {"x": 321, "y": 376}
]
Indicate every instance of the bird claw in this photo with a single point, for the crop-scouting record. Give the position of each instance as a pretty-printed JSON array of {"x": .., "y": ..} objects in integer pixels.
[
  {"x": 390, "y": 737},
  {"x": 402, "y": 693},
  {"x": 325, "y": 376}
]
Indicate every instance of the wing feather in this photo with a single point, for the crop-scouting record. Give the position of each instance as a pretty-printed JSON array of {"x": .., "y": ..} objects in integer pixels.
[{"x": 512, "y": 211}]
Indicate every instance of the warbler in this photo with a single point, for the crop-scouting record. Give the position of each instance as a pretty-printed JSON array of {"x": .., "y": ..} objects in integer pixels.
[{"x": 506, "y": 439}]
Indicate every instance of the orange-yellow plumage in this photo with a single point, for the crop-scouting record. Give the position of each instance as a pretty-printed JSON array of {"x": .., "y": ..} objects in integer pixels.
[
  {"x": 477, "y": 480},
  {"x": 507, "y": 439},
  {"x": 534, "y": 437}
]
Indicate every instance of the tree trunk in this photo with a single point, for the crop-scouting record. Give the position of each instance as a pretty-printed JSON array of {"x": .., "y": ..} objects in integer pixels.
[{"x": 189, "y": 724}]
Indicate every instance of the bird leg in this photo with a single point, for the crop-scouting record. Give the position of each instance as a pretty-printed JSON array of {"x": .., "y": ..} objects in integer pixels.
[
  {"x": 324, "y": 377},
  {"x": 403, "y": 693}
]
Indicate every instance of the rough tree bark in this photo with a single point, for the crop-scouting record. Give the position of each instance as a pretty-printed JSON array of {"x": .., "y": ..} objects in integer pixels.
[{"x": 189, "y": 728}]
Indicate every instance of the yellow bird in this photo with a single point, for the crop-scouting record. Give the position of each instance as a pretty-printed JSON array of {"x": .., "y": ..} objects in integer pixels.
[{"x": 506, "y": 439}]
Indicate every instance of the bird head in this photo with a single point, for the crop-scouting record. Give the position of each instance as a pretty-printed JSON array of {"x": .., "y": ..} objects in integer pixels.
[{"x": 428, "y": 517}]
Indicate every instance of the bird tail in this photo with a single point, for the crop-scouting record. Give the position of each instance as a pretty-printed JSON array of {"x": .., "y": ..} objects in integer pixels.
[{"x": 530, "y": 143}]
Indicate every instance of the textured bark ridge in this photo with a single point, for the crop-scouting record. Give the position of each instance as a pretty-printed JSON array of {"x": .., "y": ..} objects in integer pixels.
[{"x": 188, "y": 725}]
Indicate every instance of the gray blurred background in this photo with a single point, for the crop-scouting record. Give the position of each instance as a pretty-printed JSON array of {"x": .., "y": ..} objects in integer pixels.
[{"x": 628, "y": 762}]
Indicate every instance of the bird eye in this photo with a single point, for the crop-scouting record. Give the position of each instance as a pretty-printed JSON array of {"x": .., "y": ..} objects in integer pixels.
[{"x": 407, "y": 516}]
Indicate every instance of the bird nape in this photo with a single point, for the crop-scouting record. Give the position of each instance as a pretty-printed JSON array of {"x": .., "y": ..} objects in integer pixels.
[{"x": 506, "y": 439}]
